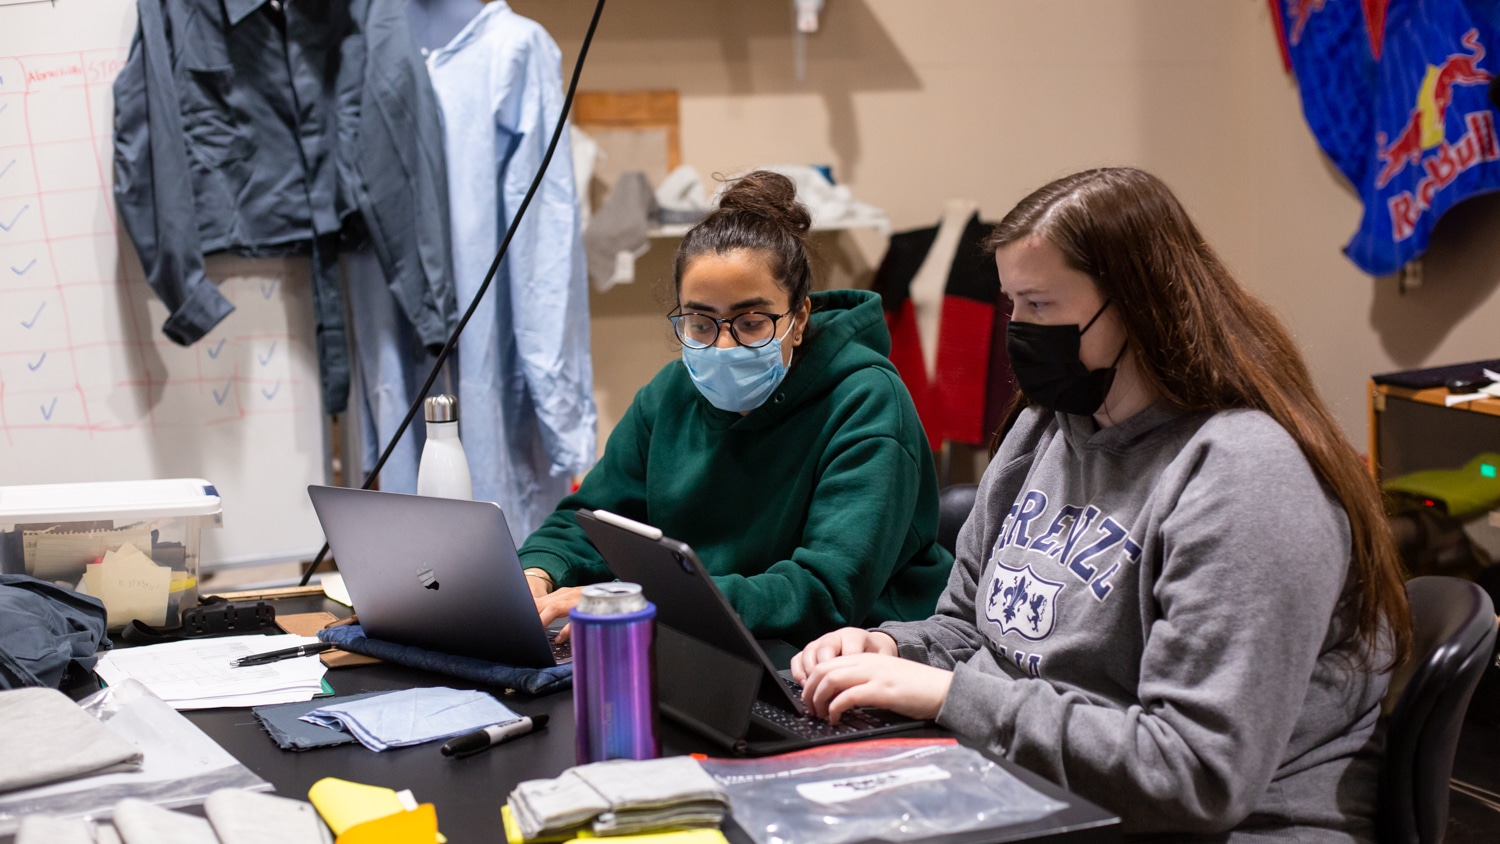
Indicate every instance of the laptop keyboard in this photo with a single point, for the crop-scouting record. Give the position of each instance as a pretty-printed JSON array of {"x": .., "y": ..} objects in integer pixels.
[
  {"x": 561, "y": 651},
  {"x": 811, "y": 727}
]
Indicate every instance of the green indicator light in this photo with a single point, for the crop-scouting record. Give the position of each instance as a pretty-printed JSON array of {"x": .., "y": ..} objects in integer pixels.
[{"x": 1487, "y": 470}]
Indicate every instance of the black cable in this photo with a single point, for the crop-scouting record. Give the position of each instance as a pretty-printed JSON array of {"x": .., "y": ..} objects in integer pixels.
[{"x": 442, "y": 358}]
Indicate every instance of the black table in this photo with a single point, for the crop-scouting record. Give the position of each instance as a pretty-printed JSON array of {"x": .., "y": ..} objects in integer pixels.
[{"x": 469, "y": 792}]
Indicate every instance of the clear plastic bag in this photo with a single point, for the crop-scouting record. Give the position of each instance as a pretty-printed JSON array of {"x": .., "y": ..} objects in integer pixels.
[
  {"x": 890, "y": 789},
  {"x": 182, "y": 765}
]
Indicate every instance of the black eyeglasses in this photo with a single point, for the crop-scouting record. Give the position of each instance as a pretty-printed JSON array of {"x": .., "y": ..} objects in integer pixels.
[{"x": 752, "y": 329}]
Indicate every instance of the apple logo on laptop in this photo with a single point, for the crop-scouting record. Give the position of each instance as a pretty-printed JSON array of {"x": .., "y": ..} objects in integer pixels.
[{"x": 427, "y": 578}]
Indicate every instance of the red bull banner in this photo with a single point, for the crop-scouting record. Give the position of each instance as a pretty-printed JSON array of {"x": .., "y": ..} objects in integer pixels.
[{"x": 1396, "y": 92}]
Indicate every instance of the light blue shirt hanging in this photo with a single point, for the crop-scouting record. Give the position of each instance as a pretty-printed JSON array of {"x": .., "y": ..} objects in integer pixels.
[{"x": 525, "y": 380}]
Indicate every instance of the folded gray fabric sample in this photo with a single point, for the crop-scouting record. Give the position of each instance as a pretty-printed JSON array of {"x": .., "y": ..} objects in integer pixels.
[
  {"x": 43, "y": 829},
  {"x": 704, "y": 814},
  {"x": 45, "y": 738},
  {"x": 652, "y": 794},
  {"x": 281, "y": 721},
  {"x": 247, "y": 817},
  {"x": 139, "y": 822},
  {"x": 647, "y": 783},
  {"x": 621, "y": 797},
  {"x": 565, "y": 802}
]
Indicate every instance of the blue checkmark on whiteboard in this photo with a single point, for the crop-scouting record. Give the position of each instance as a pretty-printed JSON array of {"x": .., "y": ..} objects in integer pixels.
[{"x": 12, "y": 223}]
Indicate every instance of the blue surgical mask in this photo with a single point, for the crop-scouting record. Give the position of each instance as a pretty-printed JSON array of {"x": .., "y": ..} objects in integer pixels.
[{"x": 737, "y": 379}]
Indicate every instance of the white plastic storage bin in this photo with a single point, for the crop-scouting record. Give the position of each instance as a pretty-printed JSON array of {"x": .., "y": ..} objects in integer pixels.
[{"x": 82, "y": 536}]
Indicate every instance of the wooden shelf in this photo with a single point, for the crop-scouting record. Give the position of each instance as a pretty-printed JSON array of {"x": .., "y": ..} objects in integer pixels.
[{"x": 1433, "y": 396}]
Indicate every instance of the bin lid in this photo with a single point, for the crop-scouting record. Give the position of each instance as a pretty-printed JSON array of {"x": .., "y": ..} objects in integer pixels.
[{"x": 108, "y": 500}]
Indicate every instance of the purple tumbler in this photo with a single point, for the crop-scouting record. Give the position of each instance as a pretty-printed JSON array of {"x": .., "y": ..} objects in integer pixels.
[{"x": 614, "y": 673}]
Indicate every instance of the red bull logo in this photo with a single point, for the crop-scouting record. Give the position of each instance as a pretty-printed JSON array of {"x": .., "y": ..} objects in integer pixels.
[
  {"x": 1425, "y": 127},
  {"x": 1477, "y": 146}
]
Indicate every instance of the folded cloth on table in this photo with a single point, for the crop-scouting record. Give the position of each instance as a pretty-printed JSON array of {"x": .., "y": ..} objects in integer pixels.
[
  {"x": 621, "y": 797},
  {"x": 45, "y": 829},
  {"x": 413, "y": 716},
  {"x": 535, "y": 681},
  {"x": 245, "y": 817},
  {"x": 140, "y": 822},
  {"x": 283, "y": 721},
  {"x": 234, "y": 817},
  {"x": 548, "y": 806},
  {"x": 655, "y": 794},
  {"x": 48, "y": 738},
  {"x": 694, "y": 815}
]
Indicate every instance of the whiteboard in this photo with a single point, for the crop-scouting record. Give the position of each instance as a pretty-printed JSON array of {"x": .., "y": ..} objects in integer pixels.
[{"x": 90, "y": 389}]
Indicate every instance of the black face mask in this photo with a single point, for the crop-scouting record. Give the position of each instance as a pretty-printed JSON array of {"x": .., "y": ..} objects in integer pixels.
[{"x": 1045, "y": 361}]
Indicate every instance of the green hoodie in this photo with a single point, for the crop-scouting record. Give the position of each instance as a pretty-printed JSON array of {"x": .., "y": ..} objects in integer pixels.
[{"x": 816, "y": 510}]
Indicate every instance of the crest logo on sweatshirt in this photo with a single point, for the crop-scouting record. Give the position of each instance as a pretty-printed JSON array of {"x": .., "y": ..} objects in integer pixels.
[{"x": 1022, "y": 602}]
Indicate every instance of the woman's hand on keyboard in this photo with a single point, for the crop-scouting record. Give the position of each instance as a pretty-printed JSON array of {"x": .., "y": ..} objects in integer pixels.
[
  {"x": 913, "y": 689},
  {"x": 841, "y": 642},
  {"x": 555, "y": 604}
]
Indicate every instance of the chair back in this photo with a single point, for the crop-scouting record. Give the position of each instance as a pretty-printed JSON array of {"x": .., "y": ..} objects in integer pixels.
[
  {"x": 954, "y": 503},
  {"x": 1453, "y": 638}
]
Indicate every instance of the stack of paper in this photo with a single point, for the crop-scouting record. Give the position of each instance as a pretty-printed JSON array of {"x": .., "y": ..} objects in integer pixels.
[{"x": 197, "y": 674}]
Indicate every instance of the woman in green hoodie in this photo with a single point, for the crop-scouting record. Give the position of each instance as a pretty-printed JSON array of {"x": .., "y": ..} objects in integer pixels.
[{"x": 783, "y": 446}]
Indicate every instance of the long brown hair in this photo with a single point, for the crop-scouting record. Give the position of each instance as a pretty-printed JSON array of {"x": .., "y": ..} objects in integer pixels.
[{"x": 1205, "y": 344}]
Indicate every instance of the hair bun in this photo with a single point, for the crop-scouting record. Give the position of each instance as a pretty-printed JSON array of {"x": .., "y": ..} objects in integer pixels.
[{"x": 767, "y": 195}]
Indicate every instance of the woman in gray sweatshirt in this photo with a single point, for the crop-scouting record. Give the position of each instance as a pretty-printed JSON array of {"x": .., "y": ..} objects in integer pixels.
[{"x": 1177, "y": 594}]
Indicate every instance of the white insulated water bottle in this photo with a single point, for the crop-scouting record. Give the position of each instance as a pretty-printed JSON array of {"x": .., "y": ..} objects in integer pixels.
[{"x": 444, "y": 470}]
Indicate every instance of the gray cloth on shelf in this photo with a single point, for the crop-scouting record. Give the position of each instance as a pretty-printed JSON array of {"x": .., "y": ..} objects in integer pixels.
[
  {"x": 282, "y": 722},
  {"x": 47, "y": 738},
  {"x": 680, "y": 198},
  {"x": 139, "y": 822},
  {"x": 247, "y": 817},
  {"x": 620, "y": 225}
]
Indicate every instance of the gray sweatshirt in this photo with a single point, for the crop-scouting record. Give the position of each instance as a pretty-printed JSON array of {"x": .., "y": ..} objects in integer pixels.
[{"x": 1145, "y": 614}]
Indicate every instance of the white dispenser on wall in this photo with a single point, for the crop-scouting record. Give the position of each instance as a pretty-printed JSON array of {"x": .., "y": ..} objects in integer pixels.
[{"x": 444, "y": 470}]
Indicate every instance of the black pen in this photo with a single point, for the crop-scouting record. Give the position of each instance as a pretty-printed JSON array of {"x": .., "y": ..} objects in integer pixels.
[
  {"x": 285, "y": 653},
  {"x": 472, "y": 743}
]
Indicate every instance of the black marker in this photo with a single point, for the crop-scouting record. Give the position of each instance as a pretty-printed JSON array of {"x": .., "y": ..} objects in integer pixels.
[
  {"x": 285, "y": 653},
  {"x": 475, "y": 742}
]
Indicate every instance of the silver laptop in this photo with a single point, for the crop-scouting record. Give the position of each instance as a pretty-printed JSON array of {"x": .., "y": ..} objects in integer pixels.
[{"x": 437, "y": 573}]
